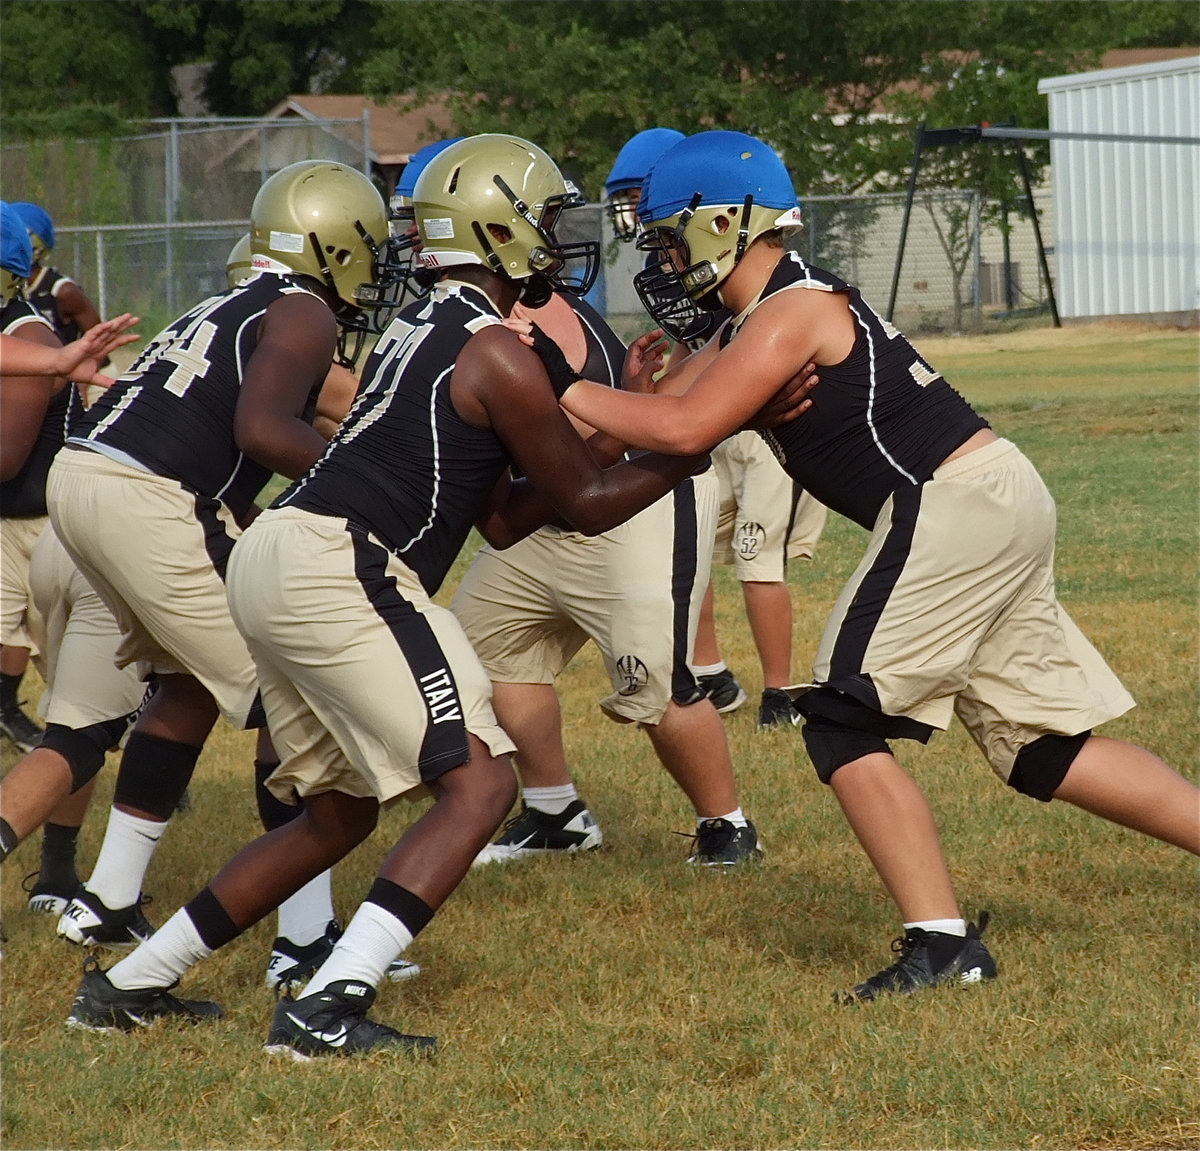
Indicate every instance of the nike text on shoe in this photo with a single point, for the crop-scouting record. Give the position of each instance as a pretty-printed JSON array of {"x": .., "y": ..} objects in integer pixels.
[
  {"x": 720, "y": 843},
  {"x": 87, "y": 921},
  {"x": 723, "y": 689},
  {"x": 291, "y": 966},
  {"x": 926, "y": 959},
  {"x": 20, "y": 729},
  {"x": 99, "y": 1006},
  {"x": 334, "y": 1022},
  {"x": 533, "y": 832},
  {"x": 776, "y": 709},
  {"x": 47, "y": 896}
]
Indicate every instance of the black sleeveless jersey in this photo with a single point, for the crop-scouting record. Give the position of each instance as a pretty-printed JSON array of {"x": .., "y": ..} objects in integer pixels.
[
  {"x": 880, "y": 419},
  {"x": 24, "y": 495},
  {"x": 605, "y": 351},
  {"x": 404, "y": 465},
  {"x": 40, "y": 293},
  {"x": 172, "y": 412}
]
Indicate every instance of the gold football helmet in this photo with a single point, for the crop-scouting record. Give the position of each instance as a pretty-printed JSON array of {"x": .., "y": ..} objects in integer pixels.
[
  {"x": 238, "y": 262},
  {"x": 495, "y": 200},
  {"x": 324, "y": 220}
]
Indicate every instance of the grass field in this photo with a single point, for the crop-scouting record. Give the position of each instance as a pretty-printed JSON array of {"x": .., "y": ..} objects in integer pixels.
[{"x": 622, "y": 1000}]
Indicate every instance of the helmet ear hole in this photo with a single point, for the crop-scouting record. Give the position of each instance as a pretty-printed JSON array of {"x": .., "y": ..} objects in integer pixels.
[{"x": 500, "y": 233}]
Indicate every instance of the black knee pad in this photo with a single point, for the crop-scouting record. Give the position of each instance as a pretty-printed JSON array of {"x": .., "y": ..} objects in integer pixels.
[
  {"x": 154, "y": 773},
  {"x": 272, "y": 812},
  {"x": 1042, "y": 765},
  {"x": 831, "y": 745},
  {"x": 84, "y": 748}
]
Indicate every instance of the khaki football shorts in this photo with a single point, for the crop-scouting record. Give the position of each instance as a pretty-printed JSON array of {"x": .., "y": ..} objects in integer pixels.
[
  {"x": 952, "y": 611},
  {"x": 635, "y": 591},
  {"x": 369, "y": 687},
  {"x": 153, "y": 551},
  {"x": 20, "y": 623},
  {"x": 83, "y": 684},
  {"x": 765, "y": 518}
]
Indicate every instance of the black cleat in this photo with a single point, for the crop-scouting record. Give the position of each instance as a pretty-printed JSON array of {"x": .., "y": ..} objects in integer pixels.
[
  {"x": 292, "y": 965},
  {"x": 777, "y": 709},
  {"x": 334, "y": 1022},
  {"x": 723, "y": 689},
  {"x": 24, "y": 734},
  {"x": 928, "y": 958},
  {"x": 89, "y": 922},
  {"x": 534, "y": 832},
  {"x": 720, "y": 843},
  {"x": 48, "y": 896},
  {"x": 99, "y": 1006}
]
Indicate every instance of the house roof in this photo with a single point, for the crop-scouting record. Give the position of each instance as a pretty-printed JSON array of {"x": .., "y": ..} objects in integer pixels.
[{"x": 394, "y": 135}]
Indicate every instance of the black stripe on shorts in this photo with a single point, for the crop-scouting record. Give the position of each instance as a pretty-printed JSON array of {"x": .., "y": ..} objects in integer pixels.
[
  {"x": 684, "y": 688},
  {"x": 871, "y": 598},
  {"x": 445, "y": 743}
]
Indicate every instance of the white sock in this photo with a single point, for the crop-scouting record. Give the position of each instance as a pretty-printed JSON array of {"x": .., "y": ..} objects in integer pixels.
[
  {"x": 735, "y": 817},
  {"x": 163, "y": 958},
  {"x": 945, "y": 926},
  {"x": 373, "y": 939},
  {"x": 129, "y": 845},
  {"x": 305, "y": 916},
  {"x": 709, "y": 669},
  {"x": 551, "y": 800}
]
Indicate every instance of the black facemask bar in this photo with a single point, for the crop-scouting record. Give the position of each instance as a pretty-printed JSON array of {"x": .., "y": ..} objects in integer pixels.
[
  {"x": 660, "y": 286},
  {"x": 398, "y": 281},
  {"x": 570, "y": 268}
]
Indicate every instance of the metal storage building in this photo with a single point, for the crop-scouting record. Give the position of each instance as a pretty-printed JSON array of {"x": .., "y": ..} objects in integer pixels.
[{"x": 1127, "y": 241}]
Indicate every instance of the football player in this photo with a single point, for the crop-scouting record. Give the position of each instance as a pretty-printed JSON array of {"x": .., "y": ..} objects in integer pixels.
[
  {"x": 765, "y": 518},
  {"x": 635, "y": 591},
  {"x": 32, "y": 409},
  {"x": 373, "y": 691},
  {"x": 173, "y": 456},
  {"x": 952, "y": 610},
  {"x": 60, "y": 299}
]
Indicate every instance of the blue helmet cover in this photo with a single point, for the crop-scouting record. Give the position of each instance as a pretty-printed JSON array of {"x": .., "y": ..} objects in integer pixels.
[
  {"x": 16, "y": 251},
  {"x": 37, "y": 220},
  {"x": 724, "y": 167},
  {"x": 637, "y": 157},
  {"x": 416, "y": 164}
]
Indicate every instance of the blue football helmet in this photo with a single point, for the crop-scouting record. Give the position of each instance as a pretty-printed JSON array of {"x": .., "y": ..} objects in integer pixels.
[
  {"x": 16, "y": 253},
  {"x": 703, "y": 203},
  {"x": 624, "y": 184},
  {"x": 40, "y": 228}
]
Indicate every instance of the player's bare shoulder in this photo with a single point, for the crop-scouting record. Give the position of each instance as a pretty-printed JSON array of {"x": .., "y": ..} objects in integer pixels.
[{"x": 496, "y": 374}]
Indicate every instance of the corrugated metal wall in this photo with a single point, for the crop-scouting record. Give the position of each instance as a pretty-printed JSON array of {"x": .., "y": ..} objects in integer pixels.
[{"x": 1127, "y": 240}]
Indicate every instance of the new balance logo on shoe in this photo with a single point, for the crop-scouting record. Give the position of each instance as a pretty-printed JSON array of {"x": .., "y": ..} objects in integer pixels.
[{"x": 975, "y": 975}]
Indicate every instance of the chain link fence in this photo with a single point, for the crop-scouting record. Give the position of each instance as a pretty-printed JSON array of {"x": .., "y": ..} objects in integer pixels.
[{"x": 145, "y": 225}]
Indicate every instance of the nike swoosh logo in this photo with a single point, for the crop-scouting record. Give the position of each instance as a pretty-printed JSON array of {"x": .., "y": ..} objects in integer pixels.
[{"x": 333, "y": 1038}]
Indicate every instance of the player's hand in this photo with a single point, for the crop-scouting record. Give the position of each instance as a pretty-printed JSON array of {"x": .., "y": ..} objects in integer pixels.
[
  {"x": 561, "y": 374},
  {"x": 644, "y": 360},
  {"x": 787, "y": 404},
  {"x": 80, "y": 359}
]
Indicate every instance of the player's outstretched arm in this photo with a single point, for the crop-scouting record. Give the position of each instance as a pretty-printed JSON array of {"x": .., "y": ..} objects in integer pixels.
[{"x": 79, "y": 360}]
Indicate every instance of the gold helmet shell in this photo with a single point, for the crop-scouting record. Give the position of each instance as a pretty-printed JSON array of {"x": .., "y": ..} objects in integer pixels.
[
  {"x": 320, "y": 219},
  {"x": 495, "y": 200},
  {"x": 238, "y": 263}
]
